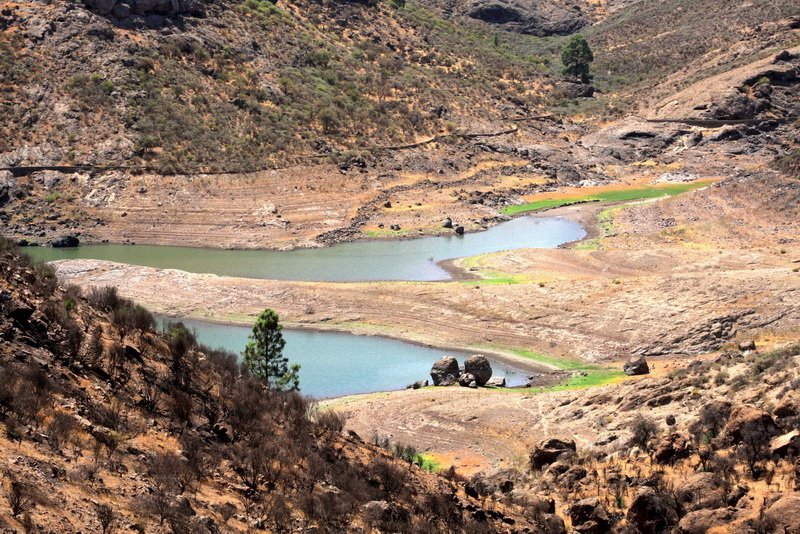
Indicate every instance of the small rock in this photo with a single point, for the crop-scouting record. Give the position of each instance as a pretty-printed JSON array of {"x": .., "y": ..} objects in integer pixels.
[
  {"x": 747, "y": 346},
  {"x": 466, "y": 380},
  {"x": 460, "y": 230},
  {"x": 448, "y": 223},
  {"x": 418, "y": 384},
  {"x": 496, "y": 382},
  {"x": 387, "y": 204}
]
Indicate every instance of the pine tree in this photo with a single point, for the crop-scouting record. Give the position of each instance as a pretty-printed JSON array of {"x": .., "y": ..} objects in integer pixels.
[
  {"x": 577, "y": 57},
  {"x": 264, "y": 357}
]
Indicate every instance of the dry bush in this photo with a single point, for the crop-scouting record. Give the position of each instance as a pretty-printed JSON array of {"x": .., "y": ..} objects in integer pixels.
[
  {"x": 22, "y": 497},
  {"x": 643, "y": 430},
  {"x": 105, "y": 516},
  {"x": 61, "y": 429},
  {"x": 170, "y": 473},
  {"x": 104, "y": 299}
]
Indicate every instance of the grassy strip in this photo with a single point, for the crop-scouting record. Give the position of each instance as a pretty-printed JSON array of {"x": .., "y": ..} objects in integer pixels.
[
  {"x": 612, "y": 195},
  {"x": 605, "y": 223},
  {"x": 587, "y": 374}
]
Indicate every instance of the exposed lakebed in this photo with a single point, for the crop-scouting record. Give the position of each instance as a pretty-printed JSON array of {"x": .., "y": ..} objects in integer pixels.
[
  {"x": 409, "y": 259},
  {"x": 335, "y": 364}
]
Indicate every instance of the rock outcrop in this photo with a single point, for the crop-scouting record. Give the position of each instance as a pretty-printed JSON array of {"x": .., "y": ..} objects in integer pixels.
[
  {"x": 745, "y": 420},
  {"x": 121, "y": 9},
  {"x": 534, "y": 18},
  {"x": 549, "y": 450},
  {"x": 589, "y": 517},
  {"x": 701, "y": 521}
]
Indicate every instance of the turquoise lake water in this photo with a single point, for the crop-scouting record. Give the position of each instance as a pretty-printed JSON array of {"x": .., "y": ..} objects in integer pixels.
[
  {"x": 410, "y": 259},
  {"x": 335, "y": 364}
]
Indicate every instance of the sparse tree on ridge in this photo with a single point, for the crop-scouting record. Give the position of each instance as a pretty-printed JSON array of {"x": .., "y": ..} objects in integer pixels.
[{"x": 264, "y": 354}]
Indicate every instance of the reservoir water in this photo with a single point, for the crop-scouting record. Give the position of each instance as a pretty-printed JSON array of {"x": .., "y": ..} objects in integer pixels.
[
  {"x": 409, "y": 259},
  {"x": 335, "y": 364}
]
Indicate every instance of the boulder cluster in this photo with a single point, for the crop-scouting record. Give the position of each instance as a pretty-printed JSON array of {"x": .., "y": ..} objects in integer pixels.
[{"x": 476, "y": 372}]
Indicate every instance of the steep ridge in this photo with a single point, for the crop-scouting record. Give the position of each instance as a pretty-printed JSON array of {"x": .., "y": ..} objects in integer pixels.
[{"x": 107, "y": 424}]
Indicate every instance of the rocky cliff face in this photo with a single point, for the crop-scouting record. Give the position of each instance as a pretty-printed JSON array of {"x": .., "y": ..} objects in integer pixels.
[{"x": 534, "y": 18}]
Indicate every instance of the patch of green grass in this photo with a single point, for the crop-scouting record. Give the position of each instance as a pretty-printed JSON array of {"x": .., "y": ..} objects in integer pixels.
[
  {"x": 52, "y": 197},
  {"x": 586, "y": 374},
  {"x": 427, "y": 462},
  {"x": 605, "y": 223},
  {"x": 620, "y": 195},
  {"x": 597, "y": 376},
  {"x": 383, "y": 232}
]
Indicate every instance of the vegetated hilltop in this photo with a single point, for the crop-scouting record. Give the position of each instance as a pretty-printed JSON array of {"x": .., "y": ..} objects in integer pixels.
[
  {"x": 238, "y": 86},
  {"x": 108, "y": 425}
]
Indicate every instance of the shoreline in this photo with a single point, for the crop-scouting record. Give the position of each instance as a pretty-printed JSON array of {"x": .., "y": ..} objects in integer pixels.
[{"x": 509, "y": 358}]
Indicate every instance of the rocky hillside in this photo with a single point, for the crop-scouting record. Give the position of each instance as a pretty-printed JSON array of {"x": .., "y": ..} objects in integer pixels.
[
  {"x": 711, "y": 446},
  {"x": 107, "y": 425},
  {"x": 237, "y": 86}
]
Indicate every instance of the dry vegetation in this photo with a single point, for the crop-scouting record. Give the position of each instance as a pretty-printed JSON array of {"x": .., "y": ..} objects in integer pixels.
[{"x": 107, "y": 424}]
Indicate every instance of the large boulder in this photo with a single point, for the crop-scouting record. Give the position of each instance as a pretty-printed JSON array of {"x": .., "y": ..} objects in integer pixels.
[
  {"x": 701, "y": 491},
  {"x": 575, "y": 89},
  {"x": 445, "y": 371},
  {"x": 788, "y": 406},
  {"x": 746, "y": 420},
  {"x": 673, "y": 447},
  {"x": 549, "y": 450},
  {"x": 636, "y": 365},
  {"x": 785, "y": 513},
  {"x": 648, "y": 512},
  {"x": 734, "y": 106},
  {"x": 478, "y": 366},
  {"x": 552, "y": 524},
  {"x": 66, "y": 241},
  {"x": 701, "y": 521},
  {"x": 589, "y": 517}
]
